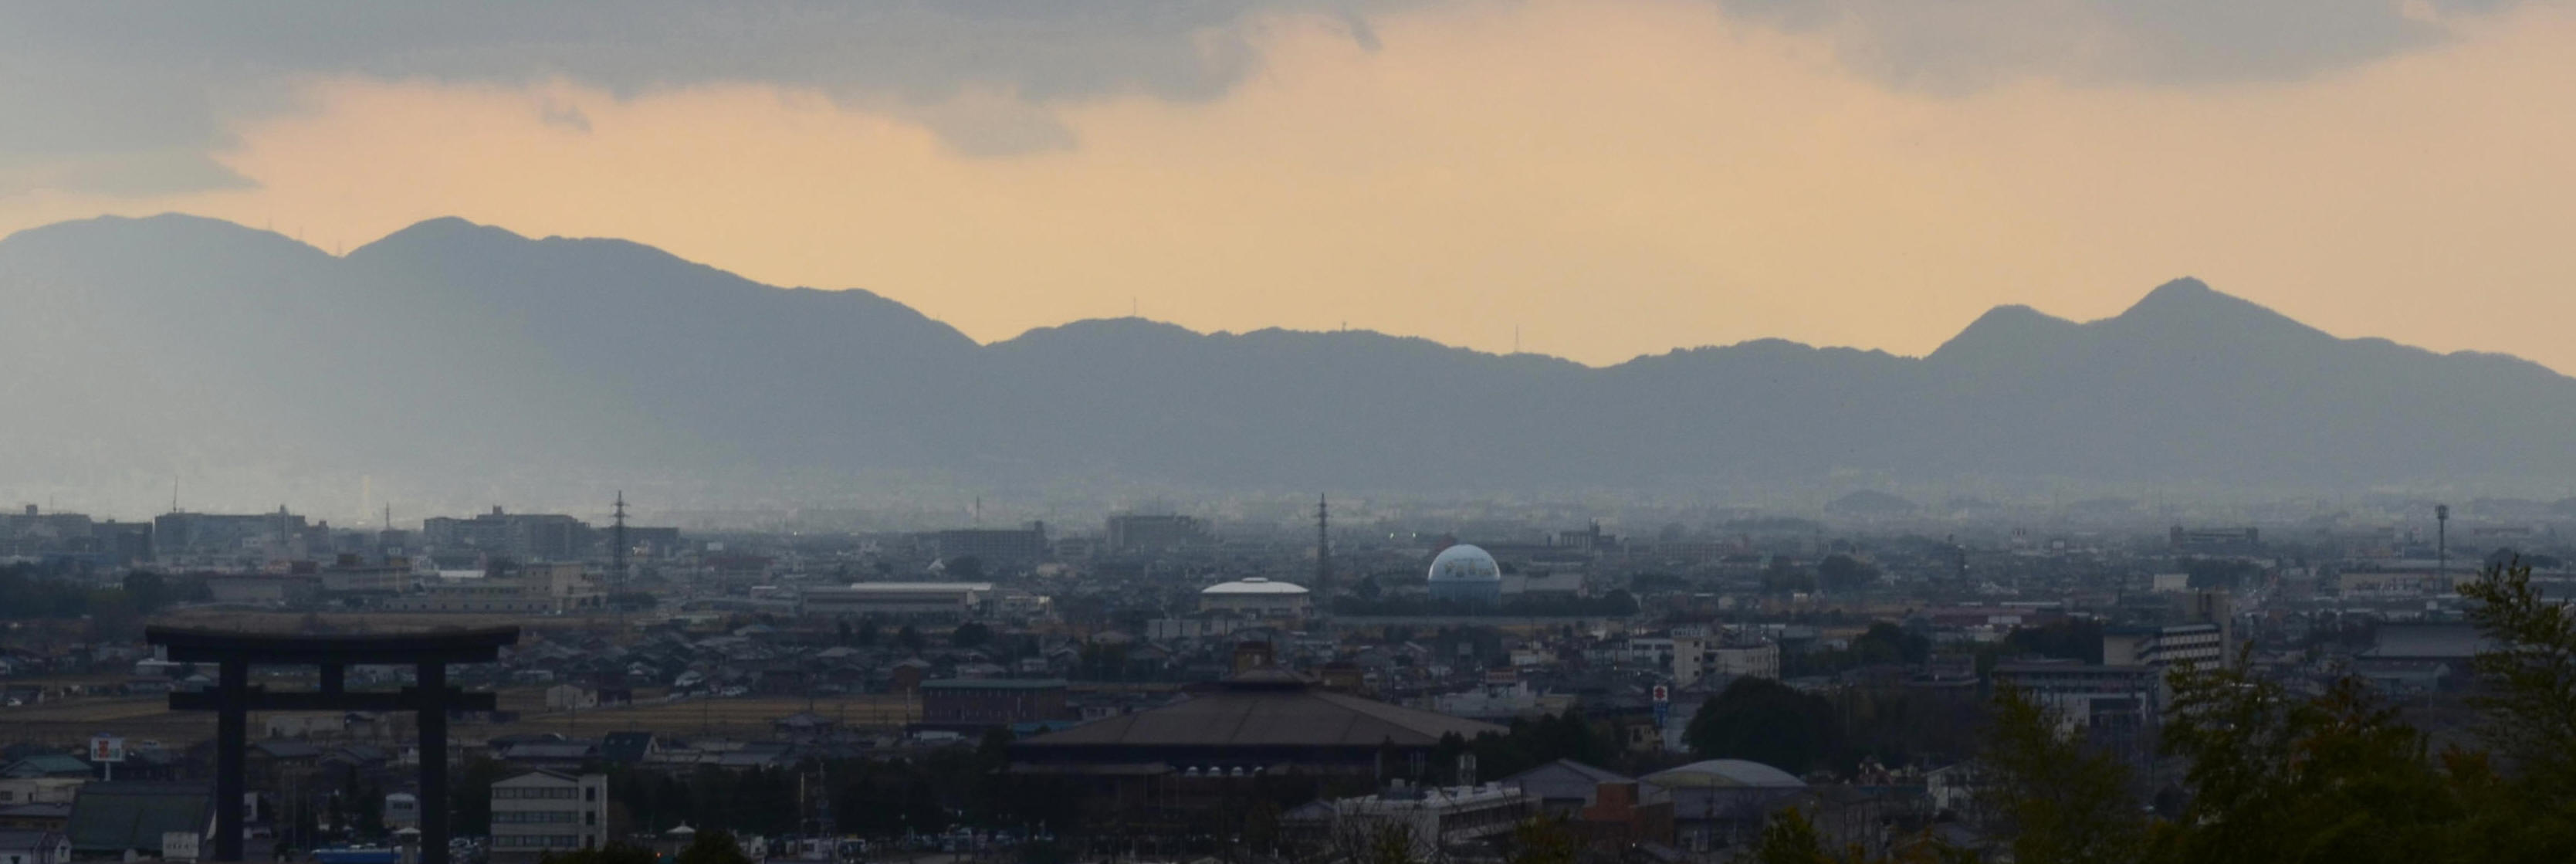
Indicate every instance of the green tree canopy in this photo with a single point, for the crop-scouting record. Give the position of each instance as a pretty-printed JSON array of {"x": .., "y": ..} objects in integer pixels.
[
  {"x": 712, "y": 847},
  {"x": 1768, "y": 722}
]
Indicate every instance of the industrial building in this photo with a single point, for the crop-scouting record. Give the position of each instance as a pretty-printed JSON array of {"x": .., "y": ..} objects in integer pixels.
[
  {"x": 1256, "y": 597},
  {"x": 926, "y": 601}
]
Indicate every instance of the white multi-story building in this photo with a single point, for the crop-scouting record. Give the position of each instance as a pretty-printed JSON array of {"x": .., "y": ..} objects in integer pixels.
[
  {"x": 2201, "y": 645},
  {"x": 548, "y": 811},
  {"x": 535, "y": 589},
  {"x": 1429, "y": 819},
  {"x": 1692, "y": 653}
]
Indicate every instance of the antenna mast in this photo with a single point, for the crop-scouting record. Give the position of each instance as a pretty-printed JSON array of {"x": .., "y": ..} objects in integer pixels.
[
  {"x": 2442, "y": 540},
  {"x": 1324, "y": 562},
  {"x": 617, "y": 536}
]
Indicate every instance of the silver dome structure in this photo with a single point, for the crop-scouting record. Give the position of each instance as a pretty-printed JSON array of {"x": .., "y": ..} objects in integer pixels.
[
  {"x": 1466, "y": 573},
  {"x": 1725, "y": 773}
]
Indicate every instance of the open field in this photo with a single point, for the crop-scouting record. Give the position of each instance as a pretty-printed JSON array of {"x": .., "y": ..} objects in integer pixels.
[
  {"x": 391, "y": 622},
  {"x": 744, "y": 718},
  {"x": 71, "y": 722}
]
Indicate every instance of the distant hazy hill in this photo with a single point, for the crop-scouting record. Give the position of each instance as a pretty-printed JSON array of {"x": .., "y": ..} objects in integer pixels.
[{"x": 455, "y": 363}]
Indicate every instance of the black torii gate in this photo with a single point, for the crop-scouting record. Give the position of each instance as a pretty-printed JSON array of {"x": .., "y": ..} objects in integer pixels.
[{"x": 234, "y": 698}]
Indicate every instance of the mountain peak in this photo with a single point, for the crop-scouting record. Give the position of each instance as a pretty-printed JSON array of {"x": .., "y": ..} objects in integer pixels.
[
  {"x": 2009, "y": 332},
  {"x": 2183, "y": 289},
  {"x": 165, "y": 229},
  {"x": 439, "y": 232},
  {"x": 2190, "y": 305}
]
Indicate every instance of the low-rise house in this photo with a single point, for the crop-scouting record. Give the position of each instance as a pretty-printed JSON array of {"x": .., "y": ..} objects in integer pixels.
[
  {"x": 56, "y": 765},
  {"x": 36, "y": 817},
  {"x": 122, "y": 819},
  {"x": 35, "y": 847}
]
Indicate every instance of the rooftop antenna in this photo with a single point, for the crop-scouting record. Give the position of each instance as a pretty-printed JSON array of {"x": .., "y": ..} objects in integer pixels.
[{"x": 1516, "y": 338}]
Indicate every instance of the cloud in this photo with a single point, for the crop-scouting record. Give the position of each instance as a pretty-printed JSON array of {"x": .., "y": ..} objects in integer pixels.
[
  {"x": 1968, "y": 45},
  {"x": 81, "y": 79},
  {"x": 567, "y": 117},
  {"x": 87, "y": 87}
]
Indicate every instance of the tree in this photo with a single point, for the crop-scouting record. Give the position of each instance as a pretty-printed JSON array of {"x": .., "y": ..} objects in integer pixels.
[
  {"x": 2078, "y": 639},
  {"x": 2527, "y": 810},
  {"x": 1372, "y": 841},
  {"x": 2275, "y": 777},
  {"x": 1544, "y": 841},
  {"x": 1784, "y": 576},
  {"x": 966, "y": 568},
  {"x": 909, "y": 638},
  {"x": 613, "y": 853},
  {"x": 970, "y": 634},
  {"x": 147, "y": 589},
  {"x": 712, "y": 847},
  {"x": 2530, "y": 701},
  {"x": 1885, "y": 642},
  {"x": 1840, "y": 573},
  {"x": 470, "y": 795},
  {"x": 1768, "y": 722},
  {"x": 1788, "y": 838},
  {"x": 866, "y": 635},
  {"x": 2067, "y": 803},
  {"x": 1618, "y": 603}
]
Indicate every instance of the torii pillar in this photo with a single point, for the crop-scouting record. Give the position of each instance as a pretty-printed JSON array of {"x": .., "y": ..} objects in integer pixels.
[{"x": 234, "y": 697}]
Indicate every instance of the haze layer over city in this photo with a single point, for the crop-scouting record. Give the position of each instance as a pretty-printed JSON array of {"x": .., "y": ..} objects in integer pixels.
[{"x": 1389, "y": 431}]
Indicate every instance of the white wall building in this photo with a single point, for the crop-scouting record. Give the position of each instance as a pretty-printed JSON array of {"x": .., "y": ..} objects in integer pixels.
[
  {"x": 547, "y": 811},
  {"x": 1432, "y": 817}
]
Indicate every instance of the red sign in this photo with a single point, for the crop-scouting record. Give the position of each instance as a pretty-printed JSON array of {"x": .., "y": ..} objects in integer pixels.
[{"x": 1663, "y": 694}]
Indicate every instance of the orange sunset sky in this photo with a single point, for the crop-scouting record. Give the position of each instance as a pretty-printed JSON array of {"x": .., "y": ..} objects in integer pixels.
[{"x": 1606, "y": 178}]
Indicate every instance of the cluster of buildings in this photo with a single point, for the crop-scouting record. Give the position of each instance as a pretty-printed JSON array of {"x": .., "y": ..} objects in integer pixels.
[{"x": 1156, "y": 665}]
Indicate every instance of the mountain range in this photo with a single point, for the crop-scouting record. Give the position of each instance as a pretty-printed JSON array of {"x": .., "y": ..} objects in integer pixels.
[{"x": 456, "y": 363}]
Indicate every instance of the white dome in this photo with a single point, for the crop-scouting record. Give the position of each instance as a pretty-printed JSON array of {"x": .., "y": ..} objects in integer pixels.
[
  {"x": 1254, "y": 585},
  {"x": 1465, "y": 563},
  {"x": 1725, "y": 773}
]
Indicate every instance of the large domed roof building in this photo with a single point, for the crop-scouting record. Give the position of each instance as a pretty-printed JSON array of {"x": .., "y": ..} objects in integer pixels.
[
  {"x": 1720, "y": 803},
  {"x": 1255, "y": 597},
  {"x": 1466, "y": 573},
  {"x": 1726, "y": 774}
]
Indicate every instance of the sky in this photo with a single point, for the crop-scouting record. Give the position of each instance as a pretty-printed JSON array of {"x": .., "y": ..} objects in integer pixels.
[{"x": 1594, "y": 179}]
